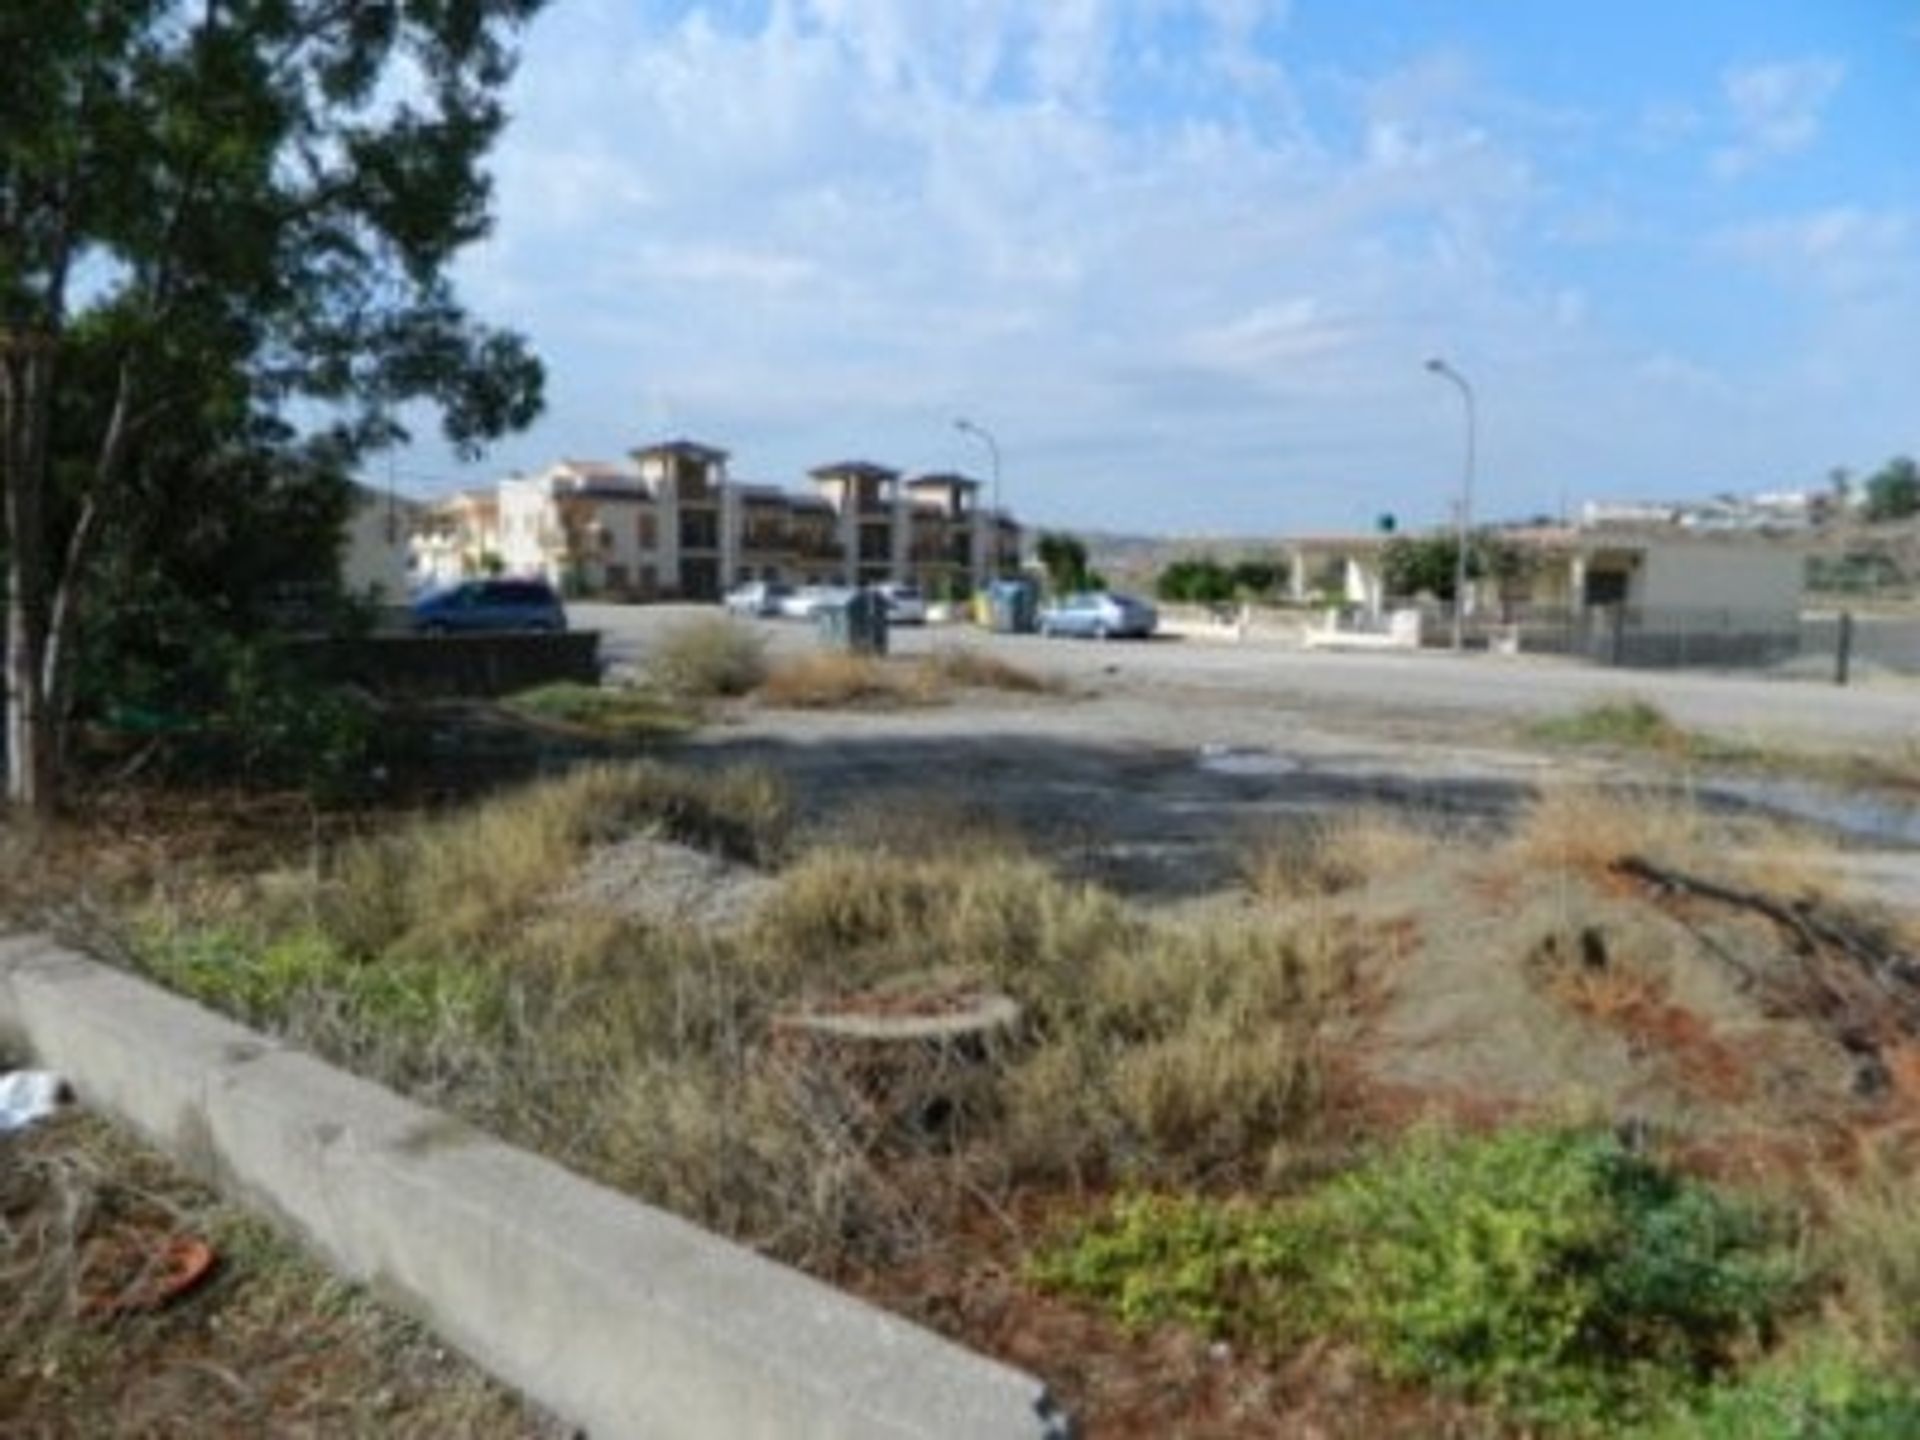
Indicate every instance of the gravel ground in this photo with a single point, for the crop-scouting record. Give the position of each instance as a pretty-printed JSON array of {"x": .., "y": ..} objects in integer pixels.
[{"x": 1160, "y": 759}]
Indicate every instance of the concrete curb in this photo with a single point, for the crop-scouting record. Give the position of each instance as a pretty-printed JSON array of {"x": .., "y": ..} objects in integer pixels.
[{"x": 618, "y": 1317}]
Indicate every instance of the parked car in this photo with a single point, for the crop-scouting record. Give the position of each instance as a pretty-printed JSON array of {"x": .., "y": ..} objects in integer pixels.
[
  {"x": 905, "y": 604},
  {"x": 757, "y": 597},
  {"x": 1099, "y": 615},
  {"x": 479, "y": 605},
  {"x": 803, "y": 603}
]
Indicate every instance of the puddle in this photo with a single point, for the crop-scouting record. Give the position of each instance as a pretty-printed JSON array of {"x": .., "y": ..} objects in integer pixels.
[
  {"x": 1245, "y": 760},
  {"x": 1848, "y": 813}
]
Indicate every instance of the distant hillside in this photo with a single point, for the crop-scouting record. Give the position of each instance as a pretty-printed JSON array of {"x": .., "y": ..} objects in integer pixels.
[{"x": 1133, "y": 560}]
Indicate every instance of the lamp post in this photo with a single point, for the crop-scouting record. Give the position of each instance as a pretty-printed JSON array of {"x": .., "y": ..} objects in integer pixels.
[
  {"x": 1445, "y": 371},
  {"x": 967, "y": 427}
]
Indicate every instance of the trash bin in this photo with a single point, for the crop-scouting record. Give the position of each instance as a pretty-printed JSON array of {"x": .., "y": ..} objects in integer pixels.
[
  {"x": 1013, "y": 607},
  {"x": 856, "y": 626}
]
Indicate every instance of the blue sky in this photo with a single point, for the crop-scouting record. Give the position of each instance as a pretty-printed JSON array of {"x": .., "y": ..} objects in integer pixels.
[{"x": 1185, "y": 258}]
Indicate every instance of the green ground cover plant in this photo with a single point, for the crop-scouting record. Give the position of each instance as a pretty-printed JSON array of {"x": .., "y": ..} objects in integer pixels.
[
  {"x": 1551, "y": 1274},
  {"x": 629, "y": 712}
]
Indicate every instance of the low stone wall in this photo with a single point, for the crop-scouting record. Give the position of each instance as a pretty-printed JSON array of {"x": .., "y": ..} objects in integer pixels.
[
  {"x": 619, "y": 1318},
  {"x": 439, "y": 665}
]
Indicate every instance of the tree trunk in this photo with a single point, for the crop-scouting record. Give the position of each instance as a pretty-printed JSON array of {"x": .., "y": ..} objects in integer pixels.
[{"x": 26, "y": 403}]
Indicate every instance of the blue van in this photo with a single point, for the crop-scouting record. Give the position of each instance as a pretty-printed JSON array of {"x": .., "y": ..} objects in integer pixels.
[{"x": 481, "y": 605}]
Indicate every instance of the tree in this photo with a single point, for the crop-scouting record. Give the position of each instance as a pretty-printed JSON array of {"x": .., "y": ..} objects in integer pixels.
[
  {"x": 1064, "y": 558},
  {"x": 1422, "y": 565},
  {"x": 1893, "y": 491},
  {"x": 226, "y": 223},
  {"x": 1197, "y": 580},
  {"x": 1425, "y": 565}
]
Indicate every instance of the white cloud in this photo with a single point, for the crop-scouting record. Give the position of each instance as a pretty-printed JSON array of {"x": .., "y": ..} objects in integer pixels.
[
  {"x": 808, "y": 228},
  {"x": 1775, "y": 110}
]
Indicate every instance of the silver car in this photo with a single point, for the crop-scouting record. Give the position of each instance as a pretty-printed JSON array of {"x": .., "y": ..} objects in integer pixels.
[
  {"x": 1099, "y": 615},
  {"x": 757, "y": 597}
]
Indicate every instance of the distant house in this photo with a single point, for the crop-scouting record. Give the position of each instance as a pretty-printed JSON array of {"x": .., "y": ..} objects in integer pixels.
[
  {"x": 374, "y": 555},
  {"x": 674, "y": 524},
  {"x": 1567, "y": 568},
  {"x": 588, "y": 526}
]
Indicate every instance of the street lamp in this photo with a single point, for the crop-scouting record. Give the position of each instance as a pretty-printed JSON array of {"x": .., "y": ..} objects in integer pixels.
[
  {"x": 967, "y": 427},
  {"x": 1443, "y": 369}
]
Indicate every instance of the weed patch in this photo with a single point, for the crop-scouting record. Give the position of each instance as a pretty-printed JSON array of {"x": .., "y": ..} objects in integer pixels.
[
  {"x": 1329, "y": 856},
  {"x": 709, "y": 658},
  {"x": 831, "y": 681},
  {"x": 1549, "y": 1273},
  {"x": 827, "y": 681},
  {"x": 960, "y": 668},
  {"x": 618, "y": 713}
]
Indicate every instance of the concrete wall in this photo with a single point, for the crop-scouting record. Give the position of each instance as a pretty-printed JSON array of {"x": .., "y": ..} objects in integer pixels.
[
  {"x": 618, "y": 1317},
  {"x": 373, "y": 556},
  {"x": 423, "y": 665},
  {"x": 1755, "y": 577}
]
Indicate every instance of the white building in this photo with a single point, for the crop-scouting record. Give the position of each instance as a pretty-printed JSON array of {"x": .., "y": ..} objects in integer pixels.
[{"x": 674, "y": 524}]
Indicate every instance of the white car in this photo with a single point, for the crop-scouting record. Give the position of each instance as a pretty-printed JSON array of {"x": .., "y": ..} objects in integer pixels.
[
  {"x": 905, "y": 604},
  {"x": 802, "y": 604},
  {"x": 757, "y": 597}
]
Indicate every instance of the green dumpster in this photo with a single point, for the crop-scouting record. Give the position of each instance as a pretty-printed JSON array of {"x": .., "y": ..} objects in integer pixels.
[{"x": 1013, "y": 607}]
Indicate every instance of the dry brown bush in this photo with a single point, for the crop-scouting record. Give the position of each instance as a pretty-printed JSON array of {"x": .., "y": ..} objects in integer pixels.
[
  {"x": 1327, "y": 856},
  {"x": 712, "y": 656},
  {"x": 1586, "y": 829},
  {"x": 827, "y": 681},
  {"x": 833, "y": 681},
  {"x": 962, "y": 668}
]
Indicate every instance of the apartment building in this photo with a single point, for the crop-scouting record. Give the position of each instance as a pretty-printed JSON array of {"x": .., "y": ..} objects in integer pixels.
[{"x": 673, "y": 524}]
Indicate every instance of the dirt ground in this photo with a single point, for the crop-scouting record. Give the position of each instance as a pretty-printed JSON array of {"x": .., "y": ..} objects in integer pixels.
[
  {"x": 1156, "y": 770},
  {"x": 266, "y": 1344}
]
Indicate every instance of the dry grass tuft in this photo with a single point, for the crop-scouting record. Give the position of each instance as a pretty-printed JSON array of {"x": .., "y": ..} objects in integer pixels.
[
  {"x": 1871, "y": 1245},
  {"x": 958, "y": 667},
  {"x": 833, "y": 681},
  {"x": 1329, "y": 856},
  {"x": 456, "y": 886},
  {"x": 828, "y": 681},
  {"x": 710, "y": 657},
  {"x": 1586, "y": 829}
]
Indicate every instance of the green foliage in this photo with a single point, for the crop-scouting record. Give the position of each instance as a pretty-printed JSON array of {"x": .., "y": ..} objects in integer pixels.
[
  {"x": 1827, "y": 1394},
  {"x": 616, "y": 712},
  {"x": 1629, "y": 724},
  {"x": 221, "y": 221},
  {"x": 239, "y": 707},
  {"x": 1064, "y": 558},
  {"x": 1420, "y": 565},
  {"x": 1893, "y": 491},
  {"x": 264, "y": 982},
  {"x": 1550, "y": 1273},
  {"x": 1200, "y": 581},
  {"x": 1203, "y": 580}
]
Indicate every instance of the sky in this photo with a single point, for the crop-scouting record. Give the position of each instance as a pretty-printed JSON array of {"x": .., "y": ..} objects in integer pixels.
[{"x": 1186, "y": 259}]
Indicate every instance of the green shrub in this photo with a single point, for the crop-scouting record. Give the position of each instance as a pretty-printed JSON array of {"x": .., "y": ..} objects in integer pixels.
[
  {"x": 1828, "y": 1394},
  {"x": 1550, "y": 1273}
]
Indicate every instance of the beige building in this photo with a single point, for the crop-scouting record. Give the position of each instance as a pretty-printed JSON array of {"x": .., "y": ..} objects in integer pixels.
[
  {"x": 673, "y": 524},
  {"x": 1579, "y": 569}
]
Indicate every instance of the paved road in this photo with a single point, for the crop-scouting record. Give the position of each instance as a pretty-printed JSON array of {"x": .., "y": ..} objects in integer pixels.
[{"x": 1383, "y": 689}]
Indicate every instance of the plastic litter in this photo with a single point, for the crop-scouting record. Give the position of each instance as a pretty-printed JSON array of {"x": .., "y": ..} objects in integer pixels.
[{"x": 26, "y": 1097}]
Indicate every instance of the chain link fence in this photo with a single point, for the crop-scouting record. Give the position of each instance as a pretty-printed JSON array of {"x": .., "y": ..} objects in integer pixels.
[{"x": 1817, "y": 645}]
